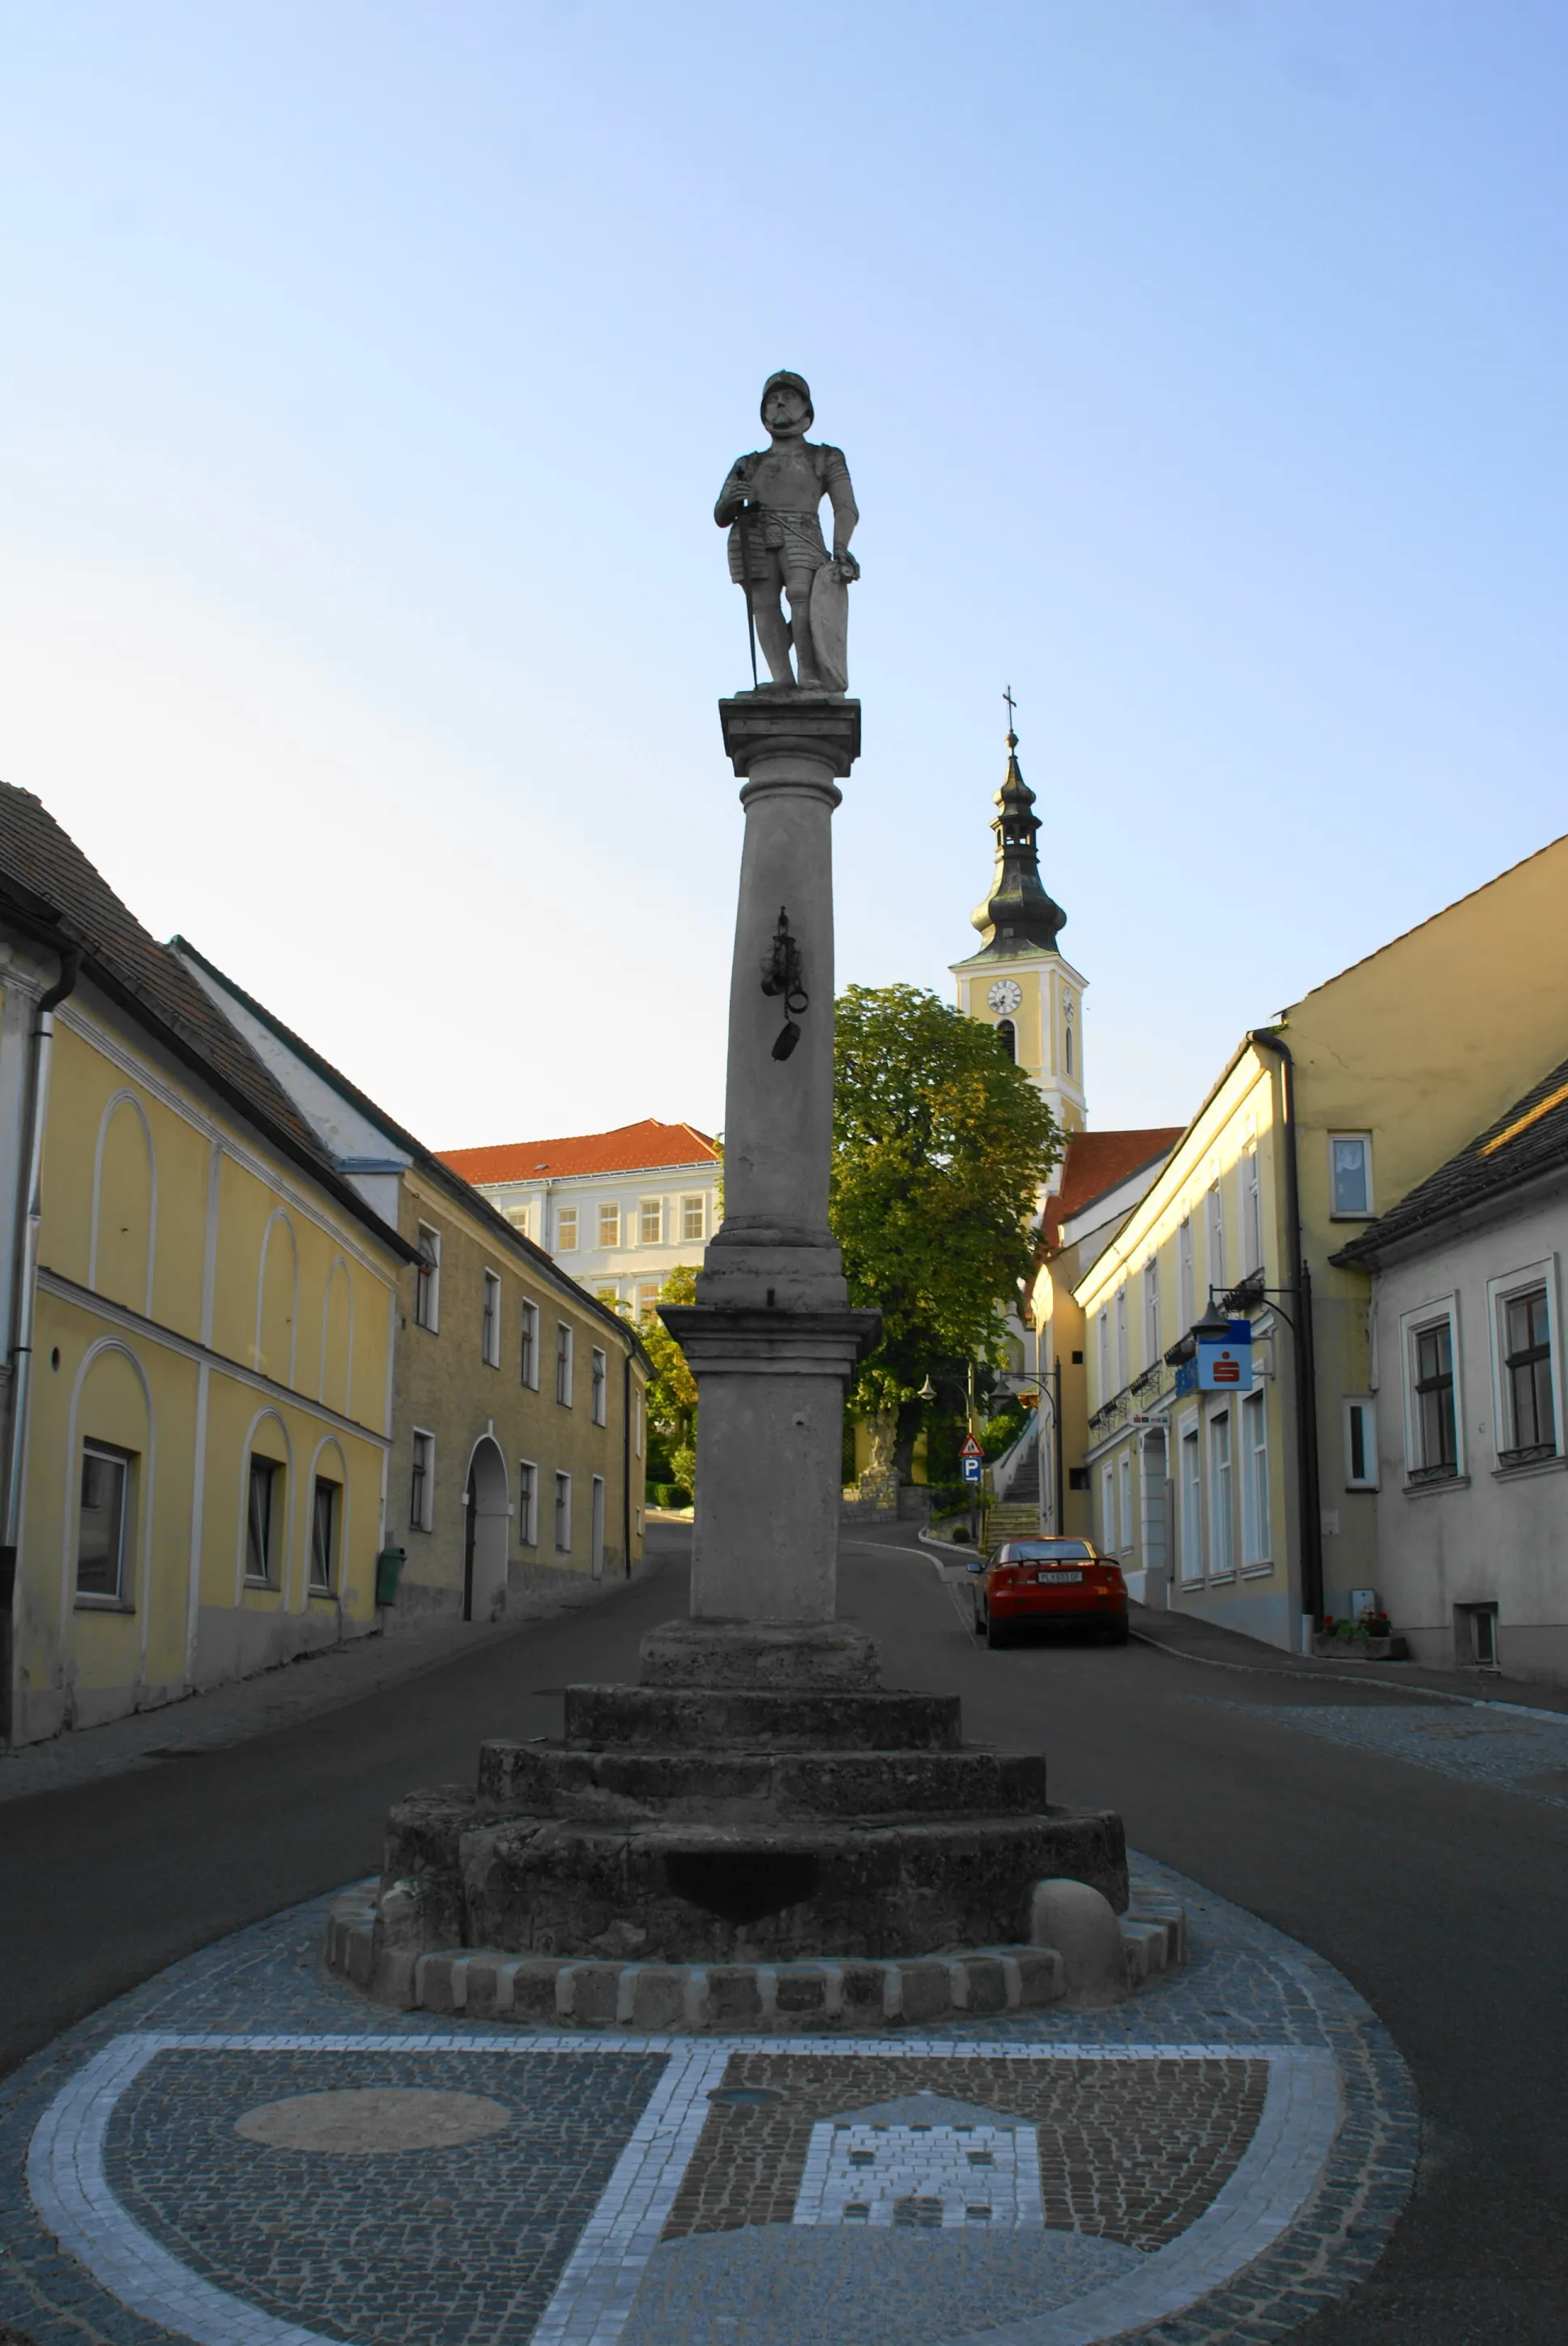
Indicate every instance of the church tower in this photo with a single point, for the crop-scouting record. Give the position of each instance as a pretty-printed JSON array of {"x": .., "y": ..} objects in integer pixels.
[{"x": 1018, "y": 982}]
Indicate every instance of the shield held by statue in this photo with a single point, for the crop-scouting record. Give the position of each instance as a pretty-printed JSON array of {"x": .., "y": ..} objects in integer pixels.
[{"x": 830, "y": 626}]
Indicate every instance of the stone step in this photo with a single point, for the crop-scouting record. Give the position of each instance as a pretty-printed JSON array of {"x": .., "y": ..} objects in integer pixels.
[
  {"x": 458, "y": 1873},
  {"x": 623, "y": 1786},
  {"x": 1006, "y": 1521},
  {"x": 683, "y": 1718},
  {"x": 488, "y": 1984}
]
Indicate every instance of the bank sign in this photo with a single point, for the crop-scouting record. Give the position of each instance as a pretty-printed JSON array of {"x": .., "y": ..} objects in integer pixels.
[{"x": 1224, "y": 1365}]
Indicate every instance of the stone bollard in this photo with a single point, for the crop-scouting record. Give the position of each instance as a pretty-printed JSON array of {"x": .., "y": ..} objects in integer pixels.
[{"x": 1084, "y": 1928}]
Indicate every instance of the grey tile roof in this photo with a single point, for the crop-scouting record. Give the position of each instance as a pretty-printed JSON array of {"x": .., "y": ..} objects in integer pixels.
[
  {"x": 1528, "y": 1141},
  {"x": 49, "y": 886}
]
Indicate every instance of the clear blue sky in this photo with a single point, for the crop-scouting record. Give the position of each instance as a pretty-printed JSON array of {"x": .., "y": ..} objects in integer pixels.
[{"x": 371, "y": 372}]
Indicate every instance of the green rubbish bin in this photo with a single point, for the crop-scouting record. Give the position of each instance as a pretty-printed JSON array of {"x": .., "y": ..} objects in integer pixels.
[{"x": 388, "y": 1567}]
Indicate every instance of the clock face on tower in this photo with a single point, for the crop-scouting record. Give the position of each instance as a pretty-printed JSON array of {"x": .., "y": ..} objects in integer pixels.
[{"x": 1005, "y": 996}]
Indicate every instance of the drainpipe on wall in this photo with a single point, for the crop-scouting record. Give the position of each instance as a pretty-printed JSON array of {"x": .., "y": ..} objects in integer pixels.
[
  {"x": 23, "y": 1310},
  {"x": 1310, "y": 1494}
]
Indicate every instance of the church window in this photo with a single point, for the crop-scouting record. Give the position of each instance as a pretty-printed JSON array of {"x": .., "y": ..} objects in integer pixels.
[
  {"x": 1067, "y": 1050},
  {"x": 1007, "y": 1036}
]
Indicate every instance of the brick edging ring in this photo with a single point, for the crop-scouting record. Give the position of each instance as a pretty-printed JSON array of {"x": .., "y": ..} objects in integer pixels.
[{"x": 488, "y": 1984}]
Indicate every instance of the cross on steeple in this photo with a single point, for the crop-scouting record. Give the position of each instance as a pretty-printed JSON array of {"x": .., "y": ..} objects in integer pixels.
[{"x": 1012, "y": 706}]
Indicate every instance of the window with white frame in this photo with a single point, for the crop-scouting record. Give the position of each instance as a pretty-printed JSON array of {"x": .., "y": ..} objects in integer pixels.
[
  {"x": 1215, "y": 1235},
  {"x": 326, "y": 1514},
  {"x": 490, "y": 1322},
  {"x": 1256, "y": 1530},
  {"x": 564, "y": 1355},
  {"x": 647, "y": 1299},
  {"x": 1529, "y": 1417},
  {"x": 650, "y": 1221},
  {"x": 1122, "y": 1370},
  {"x": 1126, "y": 1470},
  {"x": 1221, "y": 1554},
  {"x": 528, "y": 1344},
  {"x": 1151, "y": 1313},
  {"x": 600, "y": 1387},
  {"x": 427, "y": 1280},
  {"x": 1191, "y": 1504},
  {"x": 103, "y": 1524},
  {"x": 1251, "y": 1210},
  {"x": 527, "y": 1502},
  {"x": 1361, "y": 1443},
  {"x": 1186, "y": 1282},
  {"x": 1108, "y": 1505},
  {"x": 263, "y": 1521},
  {"x": 1103, "y": 1352},
  {"x": 566, "y": 1230},
  {"x": 1350, "y": 1176},
  {"x": 518, "y": 1218},
  {"x": 563, "y": 1514},
  {"x": 694, "y": 1218},
  {"x": 421, "y": 1482},
  {"x": 608, "y": 1295},
  {"x": 1434, "y": 1417},
  {"x": 609, "y": 1226}
]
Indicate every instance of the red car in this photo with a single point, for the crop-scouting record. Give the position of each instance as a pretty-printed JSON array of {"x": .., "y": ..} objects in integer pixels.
[{"x": 1050, "y": 1583}]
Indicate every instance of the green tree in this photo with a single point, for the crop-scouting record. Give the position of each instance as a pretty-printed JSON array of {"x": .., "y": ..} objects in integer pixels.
[
  {"x": 672, "y": 1388},
  {"x": 940, "y": 1148}
]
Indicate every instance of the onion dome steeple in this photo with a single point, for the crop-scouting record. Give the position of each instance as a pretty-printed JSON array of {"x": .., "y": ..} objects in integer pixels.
[{"x": 1018, "y": 913}]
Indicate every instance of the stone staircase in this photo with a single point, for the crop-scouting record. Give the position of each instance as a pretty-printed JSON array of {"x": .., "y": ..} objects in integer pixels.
[{"x": 1017, "y": 1517}]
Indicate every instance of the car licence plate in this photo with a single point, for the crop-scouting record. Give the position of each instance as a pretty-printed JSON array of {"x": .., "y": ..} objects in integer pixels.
[{"x": 1058, "y": 1577}]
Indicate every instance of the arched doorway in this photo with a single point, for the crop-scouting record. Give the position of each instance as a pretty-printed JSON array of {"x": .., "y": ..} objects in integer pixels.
[{"x": 486, "y": 1539}]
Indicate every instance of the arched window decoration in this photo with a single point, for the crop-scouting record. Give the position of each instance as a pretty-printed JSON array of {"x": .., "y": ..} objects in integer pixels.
[
  {"x": 1006, "y": 1034},
  {"x": 125, "y": 1193}
]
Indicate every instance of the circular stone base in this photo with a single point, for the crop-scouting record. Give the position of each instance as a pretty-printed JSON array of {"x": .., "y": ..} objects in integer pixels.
[{"x": 667, "y": 1999}]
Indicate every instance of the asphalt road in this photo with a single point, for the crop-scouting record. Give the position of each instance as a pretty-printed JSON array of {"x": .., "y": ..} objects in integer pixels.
[{"x": 1441, "y": 1901}]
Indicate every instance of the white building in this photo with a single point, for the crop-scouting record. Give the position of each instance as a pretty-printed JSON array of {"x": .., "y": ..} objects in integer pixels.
[
  {"x": 1462, "y": 1436},
  {"x": 619, "y": 1210}
]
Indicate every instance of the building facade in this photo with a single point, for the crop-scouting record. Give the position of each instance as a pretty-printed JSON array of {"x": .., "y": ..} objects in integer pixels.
[
  {"x": 1361, "y": 1090},
  {"x": 518, "y": 1406},
  {"x": 618, "y": 1211},
  {"x": 1461, "y": 1442},
  {"x": 200, "y": 1314}
]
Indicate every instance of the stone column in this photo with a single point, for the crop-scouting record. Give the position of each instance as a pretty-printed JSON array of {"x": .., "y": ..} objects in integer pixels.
[{"x": 769, "y": 1339}]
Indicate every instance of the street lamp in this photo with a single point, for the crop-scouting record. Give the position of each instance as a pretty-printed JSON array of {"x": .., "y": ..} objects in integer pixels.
[{"x": 927, "y": 1391}]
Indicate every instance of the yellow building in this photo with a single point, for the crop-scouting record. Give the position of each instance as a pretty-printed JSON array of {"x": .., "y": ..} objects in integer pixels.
[
  {"x": 199, "y": 1313},
  {"x": 1258, "y": 1509},
  {"x": 517, "y": 1409}
]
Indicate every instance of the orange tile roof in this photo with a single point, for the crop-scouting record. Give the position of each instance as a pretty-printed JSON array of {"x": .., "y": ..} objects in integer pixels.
[
  {"x": 1098, "y": 1161},
  {"x": 644, "y": 1147}
]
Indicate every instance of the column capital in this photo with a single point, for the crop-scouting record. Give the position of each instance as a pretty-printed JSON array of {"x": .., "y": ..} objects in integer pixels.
[{"x": 781, "y": 720}]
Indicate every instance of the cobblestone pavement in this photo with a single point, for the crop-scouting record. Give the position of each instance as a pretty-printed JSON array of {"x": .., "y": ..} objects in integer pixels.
[
  {"x": 1214, "y": 2160},
  {"x": 1508, "y": 1753}
]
